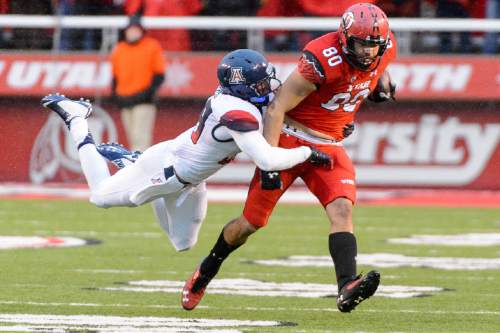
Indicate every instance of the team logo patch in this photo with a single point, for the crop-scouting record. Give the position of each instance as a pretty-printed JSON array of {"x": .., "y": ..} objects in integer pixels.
[
  {"x": 236, "y": 75},
  {"x": 37, "y": 242},
  {"x": 156, "y": 180},
  {"x": 348, "y": 20}
]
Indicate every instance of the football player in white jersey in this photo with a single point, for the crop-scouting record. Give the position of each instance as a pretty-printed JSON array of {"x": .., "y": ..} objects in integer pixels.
[{"x": 172, "y": 174}]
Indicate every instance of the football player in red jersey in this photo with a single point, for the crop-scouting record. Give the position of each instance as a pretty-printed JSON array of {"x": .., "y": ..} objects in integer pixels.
[{"x": 316, "y": 107}]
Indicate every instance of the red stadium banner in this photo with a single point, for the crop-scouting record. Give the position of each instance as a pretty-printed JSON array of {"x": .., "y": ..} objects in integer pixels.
[
  {"x": 194, "y": 75},
  {"x": 393, "y": 146}
]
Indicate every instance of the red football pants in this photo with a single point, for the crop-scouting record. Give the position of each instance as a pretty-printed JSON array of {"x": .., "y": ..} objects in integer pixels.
[{"x": 326, "y": 185}]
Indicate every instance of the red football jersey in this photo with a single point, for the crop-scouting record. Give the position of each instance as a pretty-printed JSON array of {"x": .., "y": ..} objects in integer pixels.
[{"x": 340, "y": 87}]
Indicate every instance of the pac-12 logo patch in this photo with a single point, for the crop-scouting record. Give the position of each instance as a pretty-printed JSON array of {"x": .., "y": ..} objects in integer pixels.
[{"x": 236, "y": 75}]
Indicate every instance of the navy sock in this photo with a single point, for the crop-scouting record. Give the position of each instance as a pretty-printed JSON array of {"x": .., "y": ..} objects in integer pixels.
[{"x": 88, "y": 140}]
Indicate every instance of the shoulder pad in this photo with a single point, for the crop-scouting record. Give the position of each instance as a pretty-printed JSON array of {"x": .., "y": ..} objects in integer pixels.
[{"x": 238, "y": 120}]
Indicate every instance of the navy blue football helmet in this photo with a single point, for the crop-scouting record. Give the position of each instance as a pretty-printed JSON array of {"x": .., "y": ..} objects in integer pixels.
[{"x": 247, "y": 74}]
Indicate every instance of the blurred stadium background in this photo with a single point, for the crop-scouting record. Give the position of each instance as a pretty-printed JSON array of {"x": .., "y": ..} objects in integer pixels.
[
  {"x": 442, "y": 133},
  {"x": 437, "y": 145}
]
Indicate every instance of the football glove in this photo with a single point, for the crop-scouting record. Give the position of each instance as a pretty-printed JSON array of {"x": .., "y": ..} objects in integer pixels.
[
  {"x": 382, "y": 94},
  {"x": 348, "y": 129},
  {"x": 320, "y": 159},
  {"x": 270, "y": 180}
]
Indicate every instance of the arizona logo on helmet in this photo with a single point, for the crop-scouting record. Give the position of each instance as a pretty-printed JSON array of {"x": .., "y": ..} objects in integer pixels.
[{"x": 236, "y": 76}]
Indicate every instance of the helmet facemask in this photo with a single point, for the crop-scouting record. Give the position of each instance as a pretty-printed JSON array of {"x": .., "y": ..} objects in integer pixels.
[
  {"x": 364, "y": 53},
  {"x": 263, "y": 88}
]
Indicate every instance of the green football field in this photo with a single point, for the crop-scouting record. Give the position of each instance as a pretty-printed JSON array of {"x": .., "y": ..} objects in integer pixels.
[{"x": 280, "y": 281}]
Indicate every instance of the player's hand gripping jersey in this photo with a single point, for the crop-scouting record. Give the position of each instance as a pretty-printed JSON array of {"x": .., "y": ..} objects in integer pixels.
[
  {"x": 228, "y": 125},
  {"x": 340, "y": 87}
]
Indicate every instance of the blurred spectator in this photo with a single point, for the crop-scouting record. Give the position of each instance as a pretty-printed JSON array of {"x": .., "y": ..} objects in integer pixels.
[
  {"x": 138, "y": 70},
  {"x": 453, "y": 9},
  {"x": 83, "y": 39},
  {"x": 326, "y": 8},
  {"x": 224, "y": 39},
  {"x": 400, "y": 8},
  {"x": 25, "y": 38},
  {"x": 4, "y": 32},
  {"x": 491, "y": 38},
  {"x": 281, "y": 40},
  {"x": 171, "y": 40}
]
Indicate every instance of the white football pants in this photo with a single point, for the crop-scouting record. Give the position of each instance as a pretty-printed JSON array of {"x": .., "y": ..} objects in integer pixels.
[{"x": 180, "y": 209}]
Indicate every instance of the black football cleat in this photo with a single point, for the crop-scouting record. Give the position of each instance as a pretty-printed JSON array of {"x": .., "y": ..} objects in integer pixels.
[{"x": 357, "y": 290}]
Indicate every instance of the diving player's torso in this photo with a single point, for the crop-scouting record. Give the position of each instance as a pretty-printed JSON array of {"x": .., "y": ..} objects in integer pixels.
[{"x": 205, "y": 148}]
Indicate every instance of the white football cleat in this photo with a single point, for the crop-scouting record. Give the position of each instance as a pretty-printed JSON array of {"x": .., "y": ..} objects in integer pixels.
[{"x": 66, "y": 108}]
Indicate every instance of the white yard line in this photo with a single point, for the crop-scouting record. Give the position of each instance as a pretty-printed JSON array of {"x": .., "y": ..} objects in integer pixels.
[
  {"x": 233, "y": 308},
  {"x": 112, "y": 324}
]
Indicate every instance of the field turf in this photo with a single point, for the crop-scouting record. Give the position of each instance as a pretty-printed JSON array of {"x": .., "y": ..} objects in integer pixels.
[{"x": 73, "y": 280}]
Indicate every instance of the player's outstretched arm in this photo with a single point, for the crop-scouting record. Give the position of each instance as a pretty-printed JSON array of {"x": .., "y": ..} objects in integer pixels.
[
  {"x": 265, "y": 156},
  {"x": 294, "y": 90},
  {"x": 270, "y": 158}
]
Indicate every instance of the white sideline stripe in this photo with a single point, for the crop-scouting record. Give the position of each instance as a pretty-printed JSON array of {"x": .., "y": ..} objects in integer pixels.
[
  {"x": 250, "y": 308},
  {"x": 215, "y": 193}
]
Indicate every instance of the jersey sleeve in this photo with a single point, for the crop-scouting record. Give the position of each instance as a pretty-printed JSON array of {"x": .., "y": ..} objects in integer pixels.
[
  {"x": 321, "y": 60},
  {"x": 240, "y": 121},
  {"x": 310, "y": 68},
  {"x": 265, "y": 156}
]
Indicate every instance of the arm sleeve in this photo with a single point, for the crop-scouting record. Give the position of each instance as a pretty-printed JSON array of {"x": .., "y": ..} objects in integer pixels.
[
  {"x": 265, "y": 156},
  {"x": 311, "y": 69}
]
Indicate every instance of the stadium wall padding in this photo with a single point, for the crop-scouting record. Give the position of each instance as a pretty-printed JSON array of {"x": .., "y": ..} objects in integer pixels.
[{"x": 405, "y": 144}]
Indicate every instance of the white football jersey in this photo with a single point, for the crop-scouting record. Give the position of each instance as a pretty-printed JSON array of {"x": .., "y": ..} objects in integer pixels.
[{"x": 205, "y": 148}]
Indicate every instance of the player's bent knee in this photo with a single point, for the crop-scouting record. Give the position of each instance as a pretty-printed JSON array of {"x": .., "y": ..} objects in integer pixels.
[
  {"x": 255, "y": 220},
  {"x": 340, "y": 210},
  {"x": 245, "y": 226}
]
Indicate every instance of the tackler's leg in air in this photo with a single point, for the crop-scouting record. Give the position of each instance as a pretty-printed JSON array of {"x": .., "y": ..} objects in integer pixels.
[
  {"x": 180, "y": 214},
  {"x": 141, "y": 182}
]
